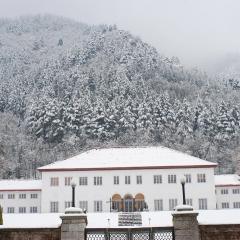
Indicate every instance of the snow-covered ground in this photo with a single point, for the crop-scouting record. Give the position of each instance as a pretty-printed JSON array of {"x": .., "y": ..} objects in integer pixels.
[{"x": 110, "y": 220}]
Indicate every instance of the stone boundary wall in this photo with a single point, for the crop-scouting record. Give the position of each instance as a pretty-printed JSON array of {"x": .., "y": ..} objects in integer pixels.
[
  {"x": 30, "y": 234},
  {"x": 220, "y": 232}
]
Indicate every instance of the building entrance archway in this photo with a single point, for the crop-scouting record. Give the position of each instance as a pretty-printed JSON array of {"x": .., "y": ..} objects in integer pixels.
[{"x": 128, "y": 203}]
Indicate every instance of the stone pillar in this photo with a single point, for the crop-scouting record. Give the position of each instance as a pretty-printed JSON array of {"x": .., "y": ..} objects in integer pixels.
[
  {"x": 185, "y": 223},
  {"x": 73, "y": 226}
]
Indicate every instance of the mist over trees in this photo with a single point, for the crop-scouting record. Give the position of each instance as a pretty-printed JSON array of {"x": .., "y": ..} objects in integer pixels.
[{"x": 66, "y": 87}]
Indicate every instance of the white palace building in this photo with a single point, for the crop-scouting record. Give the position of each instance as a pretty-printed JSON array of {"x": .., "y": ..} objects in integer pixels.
[{"x": 124, "y": 180}]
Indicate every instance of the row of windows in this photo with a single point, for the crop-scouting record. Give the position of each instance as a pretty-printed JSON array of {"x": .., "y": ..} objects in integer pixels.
[
  {"x": 20, "y": 196},
  {"x": 22, "y": 209},
  {"x": 226, "y": 191},
  {"x": 158, "y": 204},
  {"x": 157, "y": 179},
  {"x": 227, "y": 205}
]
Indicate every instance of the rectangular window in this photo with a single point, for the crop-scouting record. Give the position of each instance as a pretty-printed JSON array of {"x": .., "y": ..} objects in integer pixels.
[
  {"x": 22, "y": 196},
  {"x": 189, "y": 201},
  {"x": 83, "y": 181},
  {"x": 224, "y": 191},
  {"x": 157, "y": 179},
  {"x": 201, "y": 177},
  {"x": 97, "y": 206},
  {"x": 172, "y": 178},
  {"x": 127, "y": 180},
  {"x": 53, "y": 207},
  {"x": 22, "y": 210},
  {"x": 67, "y": 204},
  {"x": 97, "y": 181},
  {"x": 202, "y": 203},
  {"x": 11, "y": 196},
  {"x": 188, "y": 178},
  {"x": 34, "y": 195},
  {"x": 172, "y": 204},
  {"x": 236, "y": 191},
  {"x": 1, "y": 196},
  {"x": 158, "y": 205},
  {"x": 10, "y": 210},
  {"x": 225, "y": 205},
  {"x": 139, "y": 179},
  {"x": 54, "y": 181},
  {"x": 116, "y": 180},
  {"x": 83, "y": 205},
  {"x": 33, "y": 210},
  {"x": 68, "y": 181},
  {"x": 236, "y": 205}
]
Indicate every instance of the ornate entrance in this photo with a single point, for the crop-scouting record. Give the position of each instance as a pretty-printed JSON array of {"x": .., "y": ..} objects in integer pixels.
[{"x": 128, "y": 203}]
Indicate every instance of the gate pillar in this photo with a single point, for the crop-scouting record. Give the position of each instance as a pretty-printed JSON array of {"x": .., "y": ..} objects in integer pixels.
[
  {"x": 185, "y": 223},
  {"x": 74, "y": 222}
]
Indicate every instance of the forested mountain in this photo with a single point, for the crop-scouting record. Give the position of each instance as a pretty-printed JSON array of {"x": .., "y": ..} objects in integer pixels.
[{"x": 66, "y": 87}]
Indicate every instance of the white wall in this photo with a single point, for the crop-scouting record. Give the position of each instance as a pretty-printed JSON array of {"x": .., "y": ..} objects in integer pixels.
[
  {"x": 17, "y": 202},
  {"x": 151, "y": 191},
  {"x": 230, "y": 197}
]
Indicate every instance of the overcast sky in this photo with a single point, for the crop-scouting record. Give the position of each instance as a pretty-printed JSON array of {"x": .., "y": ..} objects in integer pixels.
[{"x": 199, "y": 32}]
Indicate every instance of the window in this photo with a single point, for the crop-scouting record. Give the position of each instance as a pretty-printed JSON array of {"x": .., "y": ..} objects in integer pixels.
[
  {"x": 172, "y": 203},
  {"x": 202, "y": 202},
  {"x": 33, "y": 210},
  {"x": 22, "y": 210},
  {"x": 189, "y": 201},
  {"x": 68, "y": 204},
  {"x": 236, "y": 205},
  {"x": 139, "y": 179},
  {"x": 172, "y": 179},
  {"x": 236, "y": 191},
  {"x": 157, "y": 179},
  {"x": 188, "y": 178},
  {"x": 225, "y": 205},
  {"x": 68, "y": 181},
  {"x": 201, "y": 177},
  {"x": 116, "y": 180},
  {"x": 34, "y": 195},
  {"x": 127, "y": 180},
  {"x": 22, "y": 196},
  {"x": 97, "y": 206},
  {"x": 224, "y": 191},
  {"x": 158, "y": 205},
  {"x": 83, "y": 181},
  {"x": 11, "y": 196},
  {"x": 1, "y": 196},
  {"x": 10, "y": 210},
  {"x": 83, "y": 205},
  {"x": 97, "y": 181},
  {"x": 53, "y": 207},
  {"x": 54, "y": 181}
]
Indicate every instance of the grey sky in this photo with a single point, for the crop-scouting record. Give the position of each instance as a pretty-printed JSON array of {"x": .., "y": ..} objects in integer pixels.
[{"x": 199, "y": 32}]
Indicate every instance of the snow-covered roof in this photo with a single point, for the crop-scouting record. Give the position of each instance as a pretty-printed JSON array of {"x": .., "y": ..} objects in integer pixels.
[
  {"x": 128, "y": 158},
  {"x": 110, "y": 220},
  {"x": 17, "y": 185},
  {"x": 227, "y": 180}
]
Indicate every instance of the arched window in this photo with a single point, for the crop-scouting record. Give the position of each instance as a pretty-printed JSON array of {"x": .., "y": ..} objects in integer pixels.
[
  {"x": 139, "y": 202},
  {"x": 116, "y": 202},
  {"x": 128, "y": 205}
]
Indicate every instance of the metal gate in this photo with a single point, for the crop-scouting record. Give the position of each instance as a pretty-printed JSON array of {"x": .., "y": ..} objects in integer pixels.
[{"x": 130, "y": 234}]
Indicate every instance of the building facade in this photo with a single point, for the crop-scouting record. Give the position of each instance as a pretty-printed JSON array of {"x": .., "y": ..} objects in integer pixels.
[
  {"x": 121, "y": 179},
  {"x": 227, "y": 191},
  {"x": 20, "y": 196}
]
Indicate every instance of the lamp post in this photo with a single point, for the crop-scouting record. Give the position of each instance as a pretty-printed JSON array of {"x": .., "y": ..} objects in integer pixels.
[
  {"x": 73, "y": 185},
  {"x": 183, "y": 181}
]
